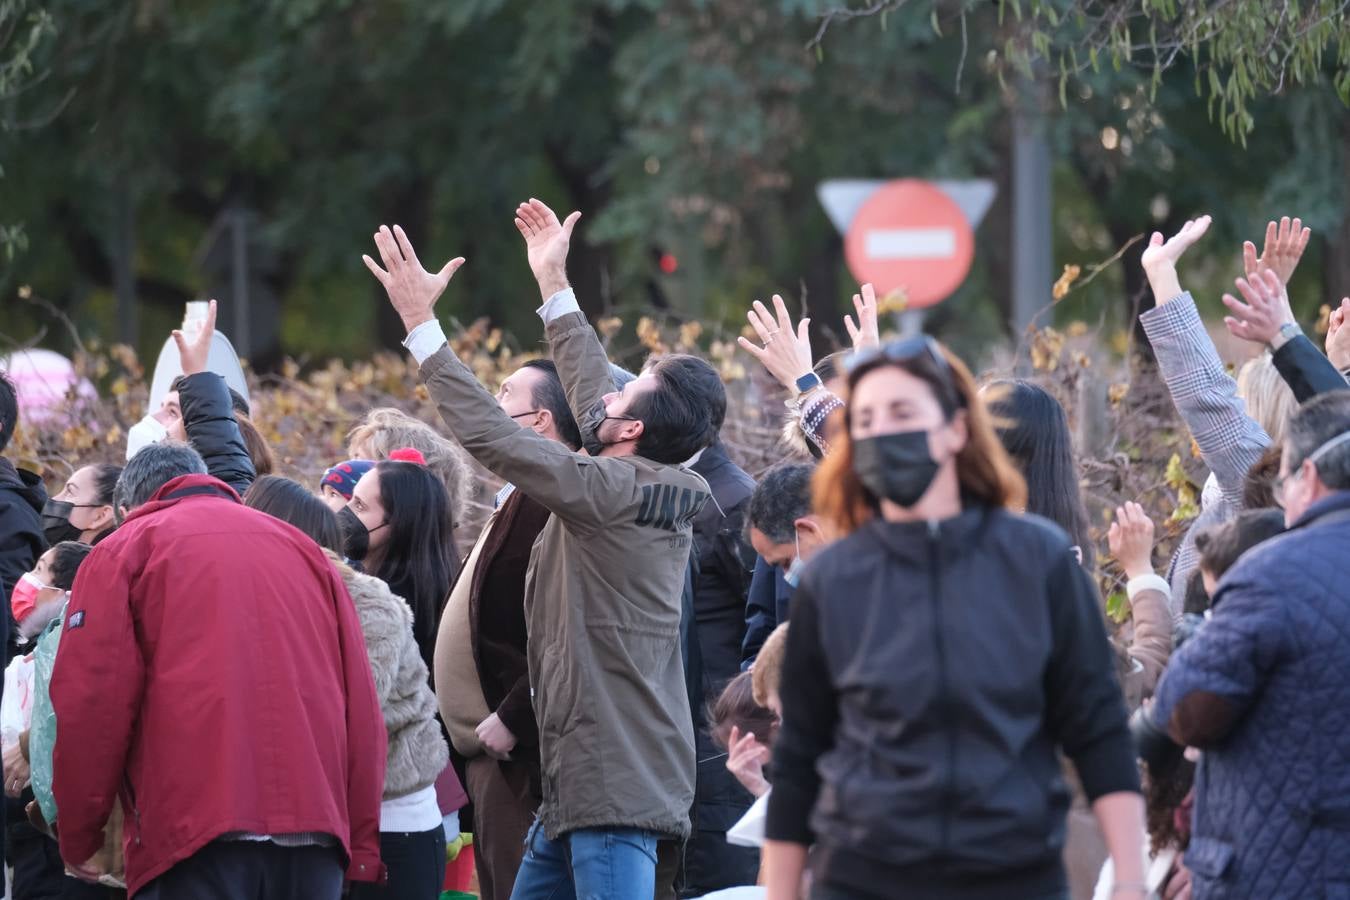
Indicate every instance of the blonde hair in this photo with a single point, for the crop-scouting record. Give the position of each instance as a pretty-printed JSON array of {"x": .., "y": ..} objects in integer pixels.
[
  {"x": 983, "y": 467},
  {"x": 768, "y": 671},
  {"x": 386, "y": 429},
  {"x": 1270, "y": 401}
]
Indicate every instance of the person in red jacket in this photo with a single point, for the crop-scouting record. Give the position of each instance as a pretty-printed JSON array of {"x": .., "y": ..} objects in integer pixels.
[{"x": 213, "y": 675}]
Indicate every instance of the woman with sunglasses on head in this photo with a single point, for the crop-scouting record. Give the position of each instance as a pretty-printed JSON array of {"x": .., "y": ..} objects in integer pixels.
[{"x": 942, "y": 654}]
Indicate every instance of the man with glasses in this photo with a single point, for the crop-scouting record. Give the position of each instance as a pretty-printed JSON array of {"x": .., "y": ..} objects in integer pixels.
[{"x": 1264, "y": 687}]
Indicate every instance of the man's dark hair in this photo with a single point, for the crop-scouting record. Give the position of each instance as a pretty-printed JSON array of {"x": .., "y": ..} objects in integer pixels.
[
  {"x": 548, "y": 394},
  {"x": 1220, "y": 545},
  {"x": 678, "y": 416},
  {"x": 291, "y": 502},
  {"x": 781, "y": 498},
  {"x": 237, "y": 401},
  {"x": 152, "y": 468},
  {"x": 66, "y": 559},
  {"x": 9, "y": 411},
  {"x": 712, "y": 392},
  {"x": 1316, "y": 422}
]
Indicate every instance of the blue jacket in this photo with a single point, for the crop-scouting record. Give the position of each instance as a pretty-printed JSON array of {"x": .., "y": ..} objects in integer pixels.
[
  {"x": 766, "y": 608},
  {"x": 1264, "y": 690}
]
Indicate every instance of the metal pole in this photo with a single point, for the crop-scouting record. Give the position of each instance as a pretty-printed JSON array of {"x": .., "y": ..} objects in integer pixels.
[
  {"x": 239, "y": 280},
  {"x": 1032, "y": 237}
]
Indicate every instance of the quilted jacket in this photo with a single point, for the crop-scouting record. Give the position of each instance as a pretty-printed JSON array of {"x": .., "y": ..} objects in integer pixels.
[{"x": 1264, "y": 690}]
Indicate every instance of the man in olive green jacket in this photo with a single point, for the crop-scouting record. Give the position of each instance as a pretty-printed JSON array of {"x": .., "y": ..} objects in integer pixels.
[{"x": 604, "y": 586}]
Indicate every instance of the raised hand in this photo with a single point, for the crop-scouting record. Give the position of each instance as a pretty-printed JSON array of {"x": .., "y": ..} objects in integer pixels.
[
  {"x": 1160, "y": 258},
  {"x": 192, "y": 356},
  {"x": 1284, "y": 247},
  {"x": 1338, "y": 336},
  {"x": 412, "y": 290},
  {"x": 1266, "y": 311},
  {"x": 746, "y": 759},
  {"x": 786, "y": 354},
  {"x": 864, "y": 334},
  {"x": 546, "y": 244},
  {"x": 1131, "y": 540}
]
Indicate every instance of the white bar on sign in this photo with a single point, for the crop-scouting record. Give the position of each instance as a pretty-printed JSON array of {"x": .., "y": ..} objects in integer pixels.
[{"x": 910, "y": 243}]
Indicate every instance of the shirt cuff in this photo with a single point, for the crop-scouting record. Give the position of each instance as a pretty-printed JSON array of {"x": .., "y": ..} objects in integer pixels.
[
  {"x": 1148, "y": 583},
  {"x": 424, "y": 340},
  {"x": 559, "y": 305}
]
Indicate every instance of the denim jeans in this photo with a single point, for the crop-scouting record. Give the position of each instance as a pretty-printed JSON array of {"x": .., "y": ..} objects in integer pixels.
[{"x": 589, "y": 864}]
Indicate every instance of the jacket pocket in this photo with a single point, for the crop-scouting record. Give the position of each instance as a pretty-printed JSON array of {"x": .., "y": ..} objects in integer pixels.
[{"x": 1209, "y": 859}]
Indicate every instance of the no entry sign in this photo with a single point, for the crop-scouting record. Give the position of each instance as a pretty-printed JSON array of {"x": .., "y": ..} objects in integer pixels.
[{"x": 909, "y": 234}]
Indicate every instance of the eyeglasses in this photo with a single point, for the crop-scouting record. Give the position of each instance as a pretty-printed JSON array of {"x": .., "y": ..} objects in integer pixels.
[{"x": 531, "y": 412}]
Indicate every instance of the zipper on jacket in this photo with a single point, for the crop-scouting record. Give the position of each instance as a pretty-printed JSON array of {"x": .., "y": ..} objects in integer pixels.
[{"x": 944, "y": 691}]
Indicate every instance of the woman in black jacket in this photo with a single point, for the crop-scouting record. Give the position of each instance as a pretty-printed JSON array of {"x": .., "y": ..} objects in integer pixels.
[{"x": 942, "y": 652}]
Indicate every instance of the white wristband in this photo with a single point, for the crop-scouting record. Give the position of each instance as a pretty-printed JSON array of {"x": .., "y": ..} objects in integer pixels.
[{"x": 1149, "y": 582}]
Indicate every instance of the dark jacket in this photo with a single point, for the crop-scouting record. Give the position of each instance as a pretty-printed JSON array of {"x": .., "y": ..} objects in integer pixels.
[
  {"x": 213, "y": 673},
  {"x": 725, "y": 563},
  {"x": 1262, "y": 688},
  {"x": 208, "y": 419},
  {"x": 1306, "y": 371},
  {"x": 21, "y": 542},
  {"x": 765, "y": 609},
  {"x": 497, "y": 623},
  {"x": 933, "y": 673}
]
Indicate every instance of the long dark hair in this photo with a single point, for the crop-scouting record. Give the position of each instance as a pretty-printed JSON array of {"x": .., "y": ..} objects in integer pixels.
[
  {"x": 289, "y": 501},
  {"x": 1035, "y": 432},
  {"x": 421, "y": 560}
]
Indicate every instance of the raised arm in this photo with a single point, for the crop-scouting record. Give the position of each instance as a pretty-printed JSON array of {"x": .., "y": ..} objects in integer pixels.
[
  {"x": 1266, "y": 317},
  {"x": 1205, "y": 394},
  {"x": 582, "y": 364},
  {"x": 575, "y": 488}
]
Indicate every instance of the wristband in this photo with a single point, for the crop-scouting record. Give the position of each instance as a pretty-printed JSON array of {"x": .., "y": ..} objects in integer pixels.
[
  {"x": 1287, "y": 333},
  {"x": 808, "y": 382}
]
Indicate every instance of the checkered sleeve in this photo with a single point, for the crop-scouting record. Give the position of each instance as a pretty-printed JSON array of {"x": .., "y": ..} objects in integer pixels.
[{"x": 1205, "y": 394}]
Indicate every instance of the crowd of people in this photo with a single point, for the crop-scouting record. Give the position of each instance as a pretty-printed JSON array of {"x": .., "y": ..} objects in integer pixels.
[{"x": 880, "y": 670}]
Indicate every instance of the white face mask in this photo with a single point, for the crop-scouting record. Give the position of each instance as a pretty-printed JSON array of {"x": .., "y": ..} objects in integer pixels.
[{"x": 144, "y": 433}]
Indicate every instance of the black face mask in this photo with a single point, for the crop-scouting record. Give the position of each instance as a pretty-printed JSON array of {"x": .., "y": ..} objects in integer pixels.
[
  {"x": 355, "y": 535},
  {"x": 56, "y": 525},
  {"x": 898, "y": 467}
]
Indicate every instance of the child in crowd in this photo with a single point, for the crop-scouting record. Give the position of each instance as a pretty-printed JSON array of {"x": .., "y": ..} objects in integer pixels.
[{"x": 339, "y": 482}]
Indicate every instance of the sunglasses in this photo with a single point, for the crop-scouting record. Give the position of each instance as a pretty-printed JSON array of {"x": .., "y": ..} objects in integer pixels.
[{"x": 900, "y": 351}]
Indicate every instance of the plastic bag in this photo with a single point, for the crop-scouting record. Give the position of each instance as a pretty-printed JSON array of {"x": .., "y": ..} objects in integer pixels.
[
  {"x": 42, "y": 727},
  {"x": 16, "y": 709}
]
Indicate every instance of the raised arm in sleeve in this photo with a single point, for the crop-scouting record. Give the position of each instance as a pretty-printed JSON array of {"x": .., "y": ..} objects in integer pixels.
[
  {"x": 583, "y": 368},
  {"x": 1205, "y": 395},
  {"x": 208, "y": 419},
  {"x": 810, "y": 712},
  {"x": 1306, "y": 371},
  {"x": 583, "y": 491},
  {"x": 96, "y": 690},
  {"x": 1085, "y": 710}
]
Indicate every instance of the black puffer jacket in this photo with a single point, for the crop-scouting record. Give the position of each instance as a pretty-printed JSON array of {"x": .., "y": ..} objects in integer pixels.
[
  {"x": 933, "y": 671},
  {"x": 21, "y": 541},
  {"x": 208, "y": 419}
]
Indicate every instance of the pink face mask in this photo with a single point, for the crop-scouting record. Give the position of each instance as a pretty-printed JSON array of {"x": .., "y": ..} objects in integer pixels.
[{"x": 24, "y": 598}]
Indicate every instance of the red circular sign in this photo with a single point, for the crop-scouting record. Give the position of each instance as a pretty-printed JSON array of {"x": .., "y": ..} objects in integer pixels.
[{"x": 910, "y": 235}]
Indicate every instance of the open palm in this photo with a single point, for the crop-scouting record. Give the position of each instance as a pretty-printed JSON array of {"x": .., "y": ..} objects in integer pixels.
[
  {"x": 1160, "y": 253},
  {"x": 546, "y": 239}
]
